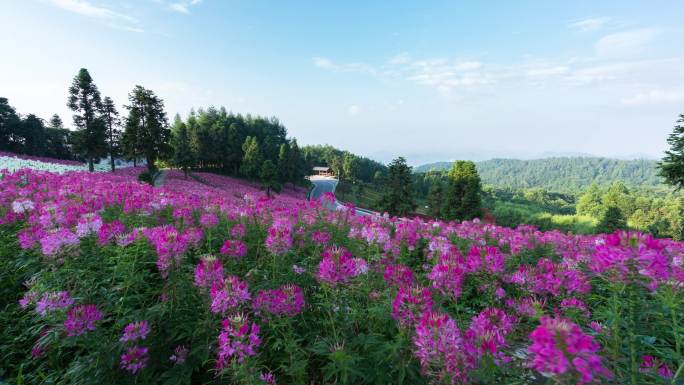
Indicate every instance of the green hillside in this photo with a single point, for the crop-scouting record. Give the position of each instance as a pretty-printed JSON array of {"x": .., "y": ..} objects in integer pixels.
[{"x": 561, "y": 174}]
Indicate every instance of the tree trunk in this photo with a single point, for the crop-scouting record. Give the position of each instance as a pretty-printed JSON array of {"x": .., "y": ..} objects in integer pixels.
[
  {"x": 111, "y": 159},
  {"x": 135, "y": 161},
  {"x": 91, "y": 166}
]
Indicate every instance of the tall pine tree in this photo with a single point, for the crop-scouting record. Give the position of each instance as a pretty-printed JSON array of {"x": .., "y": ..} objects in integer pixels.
[
  {"x": 252, "y": 159},
  {"x": 463, "y": 200},
  {"x": 112, "y": 122},
  {"x": 146, "y": 133},
  {"x": 84, "y": 100},
  {"x": 398, "y": 196},
  {"x": 183, "y": 155},
  {"x": 672, "y": 165}
]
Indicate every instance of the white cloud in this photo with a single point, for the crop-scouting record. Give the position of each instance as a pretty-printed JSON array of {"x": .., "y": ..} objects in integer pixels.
[
  {"x": 112, "y": 19},
  {"x": 625, "y": 43},
  {"x": 590, "y": 24},
  {"x": 326, "y": 63},
  {"x": 655, "y": 97},
  {"x": 354, "y": 110},
  {"x": 183, "y": 6}
]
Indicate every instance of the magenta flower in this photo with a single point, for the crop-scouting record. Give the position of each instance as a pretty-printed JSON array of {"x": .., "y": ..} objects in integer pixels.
[
  {"x": 51, "y": 301},
  {"x": 651, "y": 364},
  {"x": 441, "y": 350},
  {"x": 410, "y": 304},
  {"x": 320, "y": 238},
  {"x": 55, "y": 240},
  {"x": 134, "y": 359},
  {"x": 134, "y": 331},
  {"x": 238, "y": 231},
  {"x": 338, "y": 266},
  {"x": 81, "y": 319},
  {"x": 228, "y": 294},
  {"x": 234, "y": 248},
  {"x": 208, "y": 271},
  {"x": 287, "y": 300},
  {"x": 180, "y": 354},
  {"x": 238, "y": 339},
  {"x": 208, "y": 220},
  {"x": 560, "y": 349},
  {"x": 279, "y": 239},
  {"x": 488, "y": 331},
  {"x": 398, "y": 275},
  {"x": 447, "y": 275}
]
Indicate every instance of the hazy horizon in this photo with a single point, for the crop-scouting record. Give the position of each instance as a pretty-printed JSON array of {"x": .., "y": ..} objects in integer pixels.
[{"x": 430, "y": 81}]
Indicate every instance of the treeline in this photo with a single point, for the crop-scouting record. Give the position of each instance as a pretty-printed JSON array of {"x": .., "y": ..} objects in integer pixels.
[
  {"x": 210, "y": 139},
  {"x": 31, "y": 135},
  {"x": 563, "y": 174},
  {"x": 251, "y": 146},
  {"x": 344, "y": 164}
]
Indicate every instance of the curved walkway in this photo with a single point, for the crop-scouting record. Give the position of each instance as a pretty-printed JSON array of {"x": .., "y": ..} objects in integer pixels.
[{"x": 323, "y": 185}]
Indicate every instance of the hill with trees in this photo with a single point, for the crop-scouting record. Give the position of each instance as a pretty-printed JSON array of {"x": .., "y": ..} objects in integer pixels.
[{"x": 561, "y": 174}]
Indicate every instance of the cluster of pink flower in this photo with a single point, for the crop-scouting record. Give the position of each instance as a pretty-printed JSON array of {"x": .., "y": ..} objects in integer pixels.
[
  {"x": 170, "y": 245},
  {"x": 228, "y": 294},
  {"x": 81, "y": 319},
  {"x": 560, "y": 348},
  {"x": 279, "y": 239},
  {"x": 287, "y": 300},
  {"x": 234, "y": 248},
  {"x": 337, "y": 266},
  {"x": 135, "y": 357},
  {"x": 238, "y": 339}
]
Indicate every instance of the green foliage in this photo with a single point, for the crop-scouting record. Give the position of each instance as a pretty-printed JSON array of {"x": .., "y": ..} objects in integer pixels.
[
  {"x": 183, "y": 156},
  {"x": 612, "y": 220},
  {"x": 398, "y": 195},
  {"x": 84, "y": 100},
  {"x": 146, "y": 133},
  {"x": 563, "y": 174},
  {"x": 252, "y": 160},
  {"x": 111, "y": 119},
  {"x": 463, "y": 201},
  {"x": 435, "y": 199},
  {"x": 146, "y": 177},
  {"x": 269, "y": 177},
  {"x": 672, "y": 165}
]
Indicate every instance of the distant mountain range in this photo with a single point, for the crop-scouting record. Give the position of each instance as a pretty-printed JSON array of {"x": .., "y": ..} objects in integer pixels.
[{"x": 561, "y": 173}]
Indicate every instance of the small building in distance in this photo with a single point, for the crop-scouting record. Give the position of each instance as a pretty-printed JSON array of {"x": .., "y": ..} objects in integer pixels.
[{"x": 322, "y": 171}]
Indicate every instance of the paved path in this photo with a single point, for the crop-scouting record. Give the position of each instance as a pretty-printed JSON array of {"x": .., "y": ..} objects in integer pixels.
[
  {"x": 160, "y": 179},
  {"x": 323, "y": 185}
]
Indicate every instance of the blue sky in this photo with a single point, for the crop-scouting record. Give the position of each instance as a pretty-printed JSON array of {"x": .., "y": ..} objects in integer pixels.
[{"x": 429, "y": 80}]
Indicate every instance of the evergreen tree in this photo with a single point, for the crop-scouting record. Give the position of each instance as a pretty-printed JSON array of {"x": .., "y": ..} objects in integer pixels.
[
  {"x": 297, "y": 166},
  {"x": 84, "y": 100},
  {"x": 183, "y": 155},
  {"x": 611, "y": 220},
  {"x": 56, "y": 122},
  {"x": 252, "y": 159},
  {"x": 9, "y": 127},
  {"x": 147, "y": 131},
  {"x": 351, "y": 167},
  {"x": 398, "y": 196},
  {"x": 591, "y": 202},
  {"x": 112, "y": 122},
  {"x": 269, "y": 177},
  {"x": 463, "y": 200},
  {"x": 435, "y": 199},
  {"x": 285, "y": 168},
  {"x": 34, "y": 135},
  {"x": 672, "y": 165}
]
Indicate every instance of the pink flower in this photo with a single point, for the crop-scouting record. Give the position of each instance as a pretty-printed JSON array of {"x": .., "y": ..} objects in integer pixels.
[
  {"x": 208, "y": 220},
  {"x": 279, "y": 239},
  {"x": 81, "y": 319},
  {"x": 410, "y": 303},
  {"x": 287, "y": 300},
  {"x": 208, "y": 271},
  {"x": 56, "y": 240},
  {"x": 338, "y": 266},
  {"x": 398, "y": 275},
  {"x": 651, "y": 364},
  {"x": 51, "y": 301},
  {"x": 320, "y": 238},
  {"x": 447, "y": 275},
  {"x": 134, "y": 359},
  {"x": 228, "y": 294},
  {"x": 441, "y": 350},
  {"x": 234, "y": 248},
  {"x": 560, "y": 348},
  {"x": 238, "y": 339},
  {"x": 238, "y": 231},
  {"x": 488, "y": 330},
  {"x": 180, "y": 354},
  {"x": 134, "y": 331}
]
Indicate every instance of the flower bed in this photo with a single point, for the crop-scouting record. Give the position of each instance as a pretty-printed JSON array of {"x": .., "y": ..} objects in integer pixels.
[{"x": 108, "y": 280}]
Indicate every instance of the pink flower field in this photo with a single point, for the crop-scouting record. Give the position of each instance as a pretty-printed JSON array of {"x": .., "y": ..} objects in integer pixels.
[{"x": 206, "y": 280}]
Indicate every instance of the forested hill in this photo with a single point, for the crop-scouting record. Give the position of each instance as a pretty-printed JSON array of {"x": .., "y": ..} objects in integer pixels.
[{"x": 561, "y": 174}]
